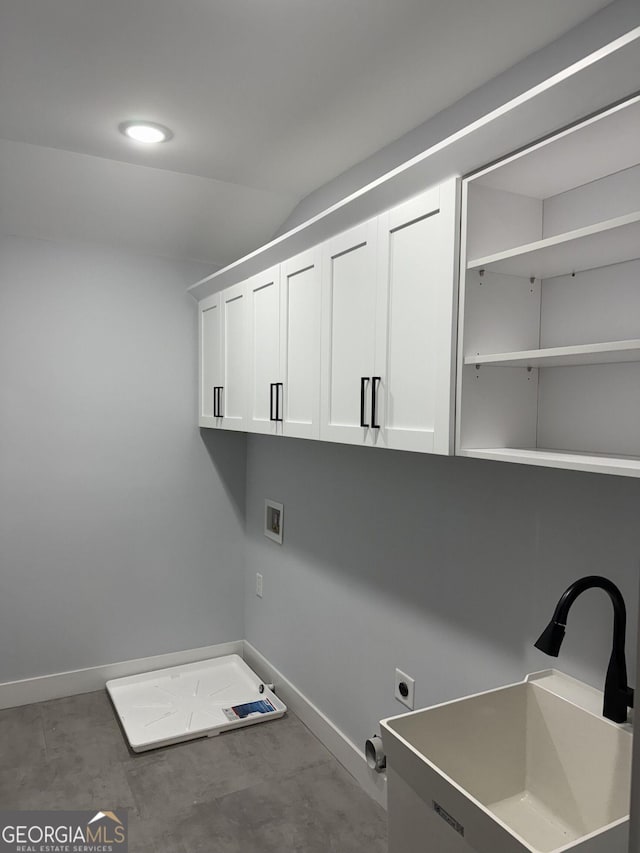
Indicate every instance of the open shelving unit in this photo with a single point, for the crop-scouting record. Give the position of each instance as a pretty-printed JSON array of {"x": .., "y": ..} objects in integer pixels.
[{"x": 550, "y": 270}]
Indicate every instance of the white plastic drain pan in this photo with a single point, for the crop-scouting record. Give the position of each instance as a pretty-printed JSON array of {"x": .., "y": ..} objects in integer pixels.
[{"x": 186, "y": 702}]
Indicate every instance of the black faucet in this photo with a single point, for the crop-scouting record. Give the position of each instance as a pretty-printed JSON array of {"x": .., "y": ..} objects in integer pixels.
[{"x": 618, "y": 696}]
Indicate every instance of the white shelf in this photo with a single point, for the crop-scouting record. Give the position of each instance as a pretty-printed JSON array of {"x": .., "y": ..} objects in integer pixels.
[
  {"x": 627, "y": 466},
  {"x": 611, "y": 352},
  {"x": 610, "y": 242}
]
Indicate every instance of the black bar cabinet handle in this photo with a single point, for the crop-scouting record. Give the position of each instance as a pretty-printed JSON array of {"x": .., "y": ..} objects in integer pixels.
[
  {"x": 217, "y": 413},
  {"x": 272, "y": 417},
  {"x": 374, "y": 386},
  {"x": 363, "y": 395},
  {"x": 220, "y": 392},
  {"x": 279, "y": 388}
]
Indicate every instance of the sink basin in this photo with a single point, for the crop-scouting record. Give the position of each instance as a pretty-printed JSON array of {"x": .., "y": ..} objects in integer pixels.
[{"x": 528, "y": 767}]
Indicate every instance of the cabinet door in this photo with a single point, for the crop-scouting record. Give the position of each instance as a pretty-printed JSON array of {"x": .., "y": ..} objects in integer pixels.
[
  {"x": 233, "y": 305},
  {"x": 348, "y": 330},
  {"x": 210, "y": 364},
  {"x": 416, "y": 322},
  {"x": 263, "y": 300},
  {"x": 300, "y": 285}
]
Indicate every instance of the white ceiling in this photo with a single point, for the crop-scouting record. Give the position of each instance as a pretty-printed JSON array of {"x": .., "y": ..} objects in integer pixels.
[{"x": 268, "y": 99}]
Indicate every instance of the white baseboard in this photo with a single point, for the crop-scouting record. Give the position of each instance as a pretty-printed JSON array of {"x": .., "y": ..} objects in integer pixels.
[
  {"x": 343, "y": 749},
  {"x": 60, "y": 684}
]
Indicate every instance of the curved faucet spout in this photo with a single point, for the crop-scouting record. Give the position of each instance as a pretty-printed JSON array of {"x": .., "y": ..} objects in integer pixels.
[{"x": 618, "y": 696}]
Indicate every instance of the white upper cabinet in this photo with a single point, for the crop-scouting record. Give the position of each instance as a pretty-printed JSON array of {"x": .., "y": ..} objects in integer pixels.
[
  {"x": 223, "y": 358},
  {"x": 416, "y": 321},
  {"x": 549, "y": 359},
  {"x": 348, "y": 333},
  {"x": 389, "y": 319},
  {"x": 263, "y": 296},
  {"x": 210, "y": 361},
  {"x": 284, "y": 348},
  {"x": 299, "y": 393},
  {"x": 233, "y": 395},
  {"x": 352, "y": 341}
]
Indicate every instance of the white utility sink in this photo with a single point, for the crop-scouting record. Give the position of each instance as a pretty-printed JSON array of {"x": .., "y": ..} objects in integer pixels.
[{"x": 529, "y": 767}]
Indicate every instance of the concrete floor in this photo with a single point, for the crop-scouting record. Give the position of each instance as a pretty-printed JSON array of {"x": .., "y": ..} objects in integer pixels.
[{"x": 267, "y": 788}]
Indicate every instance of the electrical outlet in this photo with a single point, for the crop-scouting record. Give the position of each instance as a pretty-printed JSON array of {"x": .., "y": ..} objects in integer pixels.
[
  {"x": 258, "y": 584},
  {"x": 404, "y": 689}
]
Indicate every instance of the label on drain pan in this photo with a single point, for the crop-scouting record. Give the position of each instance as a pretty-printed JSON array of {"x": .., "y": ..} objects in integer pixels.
[
  {"x": 248, "y": 709},
  {"x": 453, "y": 823}
]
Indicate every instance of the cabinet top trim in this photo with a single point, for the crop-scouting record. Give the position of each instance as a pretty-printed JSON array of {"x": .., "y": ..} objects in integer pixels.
[{"x": 604, "y": 76}]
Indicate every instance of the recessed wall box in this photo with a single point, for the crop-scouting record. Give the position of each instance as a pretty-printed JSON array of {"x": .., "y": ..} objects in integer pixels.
[{"x": 273, "y": 519}]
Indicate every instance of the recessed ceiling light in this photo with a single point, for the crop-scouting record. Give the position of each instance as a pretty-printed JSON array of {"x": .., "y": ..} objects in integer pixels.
[{"x": 145, "y": 131}]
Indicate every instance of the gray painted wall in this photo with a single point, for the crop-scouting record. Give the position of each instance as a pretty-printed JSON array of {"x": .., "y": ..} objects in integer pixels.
[
  {"x": 121, "y": 531},
  {"x": 448, "y": 568},
  {"x": 613, "y": 21}
]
